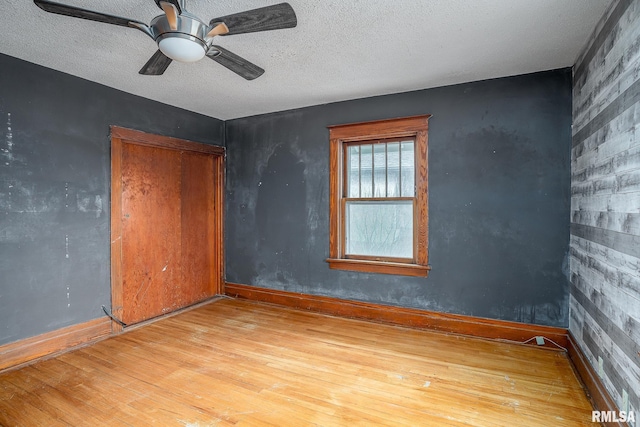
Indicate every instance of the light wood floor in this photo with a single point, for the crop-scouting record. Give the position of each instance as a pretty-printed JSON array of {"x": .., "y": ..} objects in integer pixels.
[{"x": 235, "y": 362}]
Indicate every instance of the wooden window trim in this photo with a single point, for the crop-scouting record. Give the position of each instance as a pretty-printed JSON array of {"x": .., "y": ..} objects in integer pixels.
[{"x": 415, "y": 128}]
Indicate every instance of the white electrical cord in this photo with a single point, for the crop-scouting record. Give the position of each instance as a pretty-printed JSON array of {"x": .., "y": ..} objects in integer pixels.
[{"x": 547, "y": 339}]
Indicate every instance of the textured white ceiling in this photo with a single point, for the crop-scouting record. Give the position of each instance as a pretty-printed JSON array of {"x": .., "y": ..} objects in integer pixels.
[{"x": 341, "y": 49}]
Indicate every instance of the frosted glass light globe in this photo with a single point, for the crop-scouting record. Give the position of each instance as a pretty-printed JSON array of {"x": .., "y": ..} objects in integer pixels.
[{"x": 181, "y": 49}]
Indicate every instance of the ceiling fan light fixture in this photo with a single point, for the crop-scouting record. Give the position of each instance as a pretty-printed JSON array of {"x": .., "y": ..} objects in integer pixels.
[
  {"x": 184, "y": 37},
  {"x": 183, "y": 48}
]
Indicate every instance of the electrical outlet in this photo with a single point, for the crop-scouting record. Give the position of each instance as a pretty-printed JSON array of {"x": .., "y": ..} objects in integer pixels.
[
  {"x": 540, "y": 340},
  {"x": 600, "y": 367},
  {"x": 625, "y": 401}
]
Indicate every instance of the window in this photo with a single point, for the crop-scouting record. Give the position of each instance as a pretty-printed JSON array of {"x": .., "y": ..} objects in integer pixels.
[{"x": 378, "y": 202}]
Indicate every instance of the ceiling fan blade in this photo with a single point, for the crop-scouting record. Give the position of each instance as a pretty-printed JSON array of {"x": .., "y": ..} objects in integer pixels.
[
  {"x": 175, "y": 3},
  {"x": 235, "y": 63},
  {"x": 218, "y": 30},
  {"x": 172, "y": 14},
  {"x": 156, "y": 65},
  {"x": 76, "y": 12},
  {"x": 267, "y": 18}
]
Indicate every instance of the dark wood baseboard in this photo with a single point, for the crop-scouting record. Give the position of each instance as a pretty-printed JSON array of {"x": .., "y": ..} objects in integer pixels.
[
  {"x": 596, "y": 391},
  {"x": 20, "y": 352},
  {"x": 443, "y": 322}
]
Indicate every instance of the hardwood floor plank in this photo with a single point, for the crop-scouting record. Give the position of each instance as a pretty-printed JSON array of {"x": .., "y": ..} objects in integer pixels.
[
  {"x": 19, "y": 411},
  {"x": 241, "y": 363}
]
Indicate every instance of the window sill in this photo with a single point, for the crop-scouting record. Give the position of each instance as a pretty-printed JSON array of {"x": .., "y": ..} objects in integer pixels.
[{"x": 400, "y": 269}]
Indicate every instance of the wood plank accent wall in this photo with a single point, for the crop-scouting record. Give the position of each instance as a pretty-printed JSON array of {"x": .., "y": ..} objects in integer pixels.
[
  {"x": 605, "y": 202},
  {"x": 443, "y": 322}
]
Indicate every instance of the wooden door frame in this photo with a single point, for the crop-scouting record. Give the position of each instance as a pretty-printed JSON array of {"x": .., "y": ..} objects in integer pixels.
[{"x": 119, "y": 136}]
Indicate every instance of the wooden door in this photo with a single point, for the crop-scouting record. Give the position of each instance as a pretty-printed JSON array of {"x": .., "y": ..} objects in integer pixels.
[{"x": 166, "y": 224}]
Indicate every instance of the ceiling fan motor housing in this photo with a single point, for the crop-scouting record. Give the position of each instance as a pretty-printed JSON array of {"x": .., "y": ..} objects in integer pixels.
[{"x": 190, "y": 31}]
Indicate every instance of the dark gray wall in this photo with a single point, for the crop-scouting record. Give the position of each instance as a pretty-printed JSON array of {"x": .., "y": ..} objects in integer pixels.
[
  {"x": 605, "y": 205},
  {"x": 499, "y": 160},
  {"x": 54, "y": 191}
]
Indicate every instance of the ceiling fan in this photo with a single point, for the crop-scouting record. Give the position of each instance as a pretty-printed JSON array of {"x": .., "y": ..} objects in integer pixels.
[{"x": 183, "y": 37}]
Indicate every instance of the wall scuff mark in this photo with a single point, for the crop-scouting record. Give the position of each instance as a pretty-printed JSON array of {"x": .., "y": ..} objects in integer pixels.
[{"x": 8, "y": 151}]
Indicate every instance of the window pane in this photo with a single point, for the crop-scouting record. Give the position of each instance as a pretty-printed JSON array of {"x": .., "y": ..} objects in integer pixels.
[
  {"x": 382, "y": 229},
  {"x": 366, "y": 176},
  {"x": 408, "y": 172},
  {"x": 393, "y": 169},
  {"x": 353, "y": 171},
  {"x": 379, "y": 171}
]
